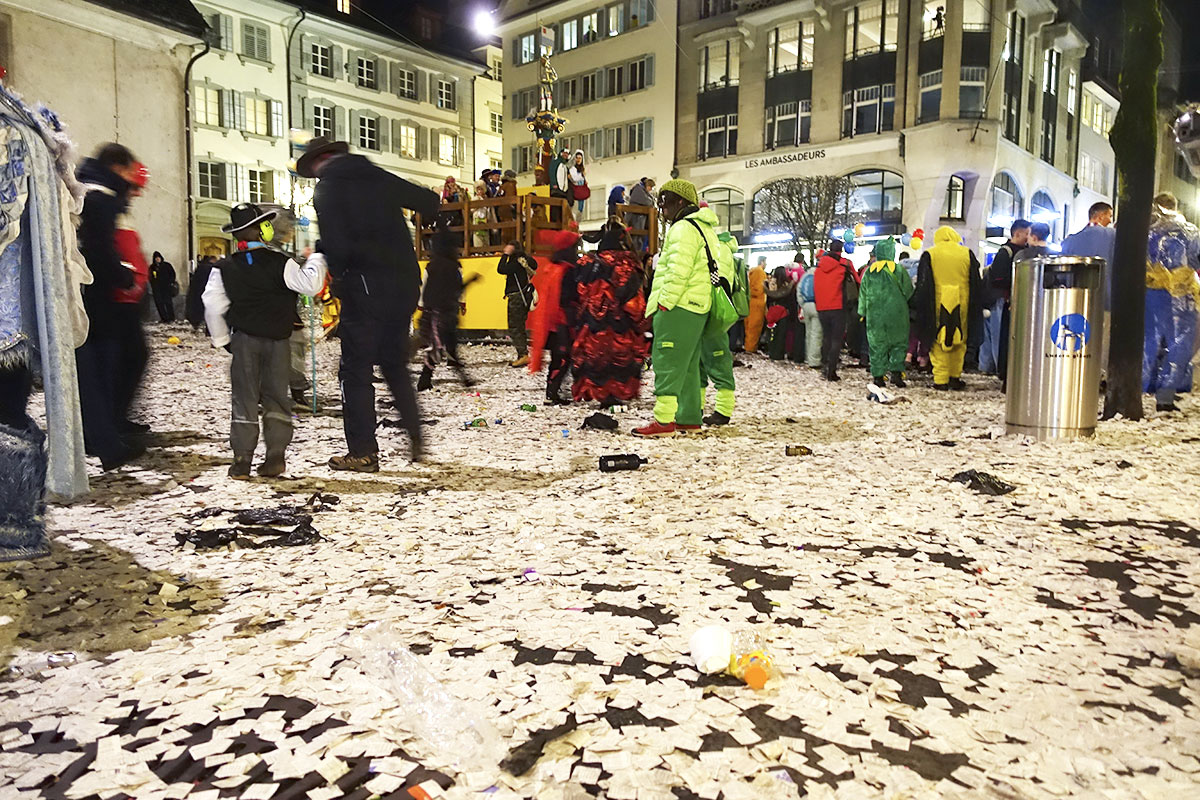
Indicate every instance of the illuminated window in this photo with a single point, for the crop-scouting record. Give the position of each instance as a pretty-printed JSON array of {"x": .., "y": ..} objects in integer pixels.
[
  {"x": 446, "y": 146},
  {"x": 262, "y": 185},
  {"x": 258, "y": 116},
  {"x": 406, "y": 140},
  {"x": 208, "y": 106},
  {"x": 343, "y": 6}
]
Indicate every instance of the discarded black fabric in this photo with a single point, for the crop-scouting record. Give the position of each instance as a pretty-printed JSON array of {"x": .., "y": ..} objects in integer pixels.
[
  {"x": 601, "y": 422},
  {"x": 250, "y": 537},
  {"x": 983, "y": 482}
]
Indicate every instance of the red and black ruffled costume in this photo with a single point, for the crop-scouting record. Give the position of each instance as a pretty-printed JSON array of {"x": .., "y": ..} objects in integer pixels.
[{"x": 609, "y": 326}]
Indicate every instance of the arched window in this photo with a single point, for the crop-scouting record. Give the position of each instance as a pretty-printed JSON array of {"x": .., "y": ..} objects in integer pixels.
[
  {"x": 955, "y": 199},
  {"x": 1008, "y": 203},
  {"x": 877, "y": 199},
  {"x": 730, "y": 207},
  {"x": 1042, "y": 209}
]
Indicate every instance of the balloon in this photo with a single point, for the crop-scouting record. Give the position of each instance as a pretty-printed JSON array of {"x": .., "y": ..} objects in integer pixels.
[
  {"x": 849, "y": 246},
  {"x": 905, "y": 238},
  {"x": 919, "y": 233},
  {"x": 916, "y": 243},
  {"x": 859, "y": 229},
  {"x": 848, "y": 236}
]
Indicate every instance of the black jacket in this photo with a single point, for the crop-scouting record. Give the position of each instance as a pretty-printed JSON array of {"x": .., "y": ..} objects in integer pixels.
[
  {"x": 97, "y": 242},
  {"x": 365, "y": 238},
  {"x": 443, "y": 285},
  {"x": 162, "y": 276},
  {"x": 1000, "y": 274},
  {"x": 518, "y": 268},
  {"x": 194, "y": 308}
]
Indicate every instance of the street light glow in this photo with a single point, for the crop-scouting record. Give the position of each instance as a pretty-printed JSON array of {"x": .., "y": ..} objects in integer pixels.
[{"x": 484, "y": 24}]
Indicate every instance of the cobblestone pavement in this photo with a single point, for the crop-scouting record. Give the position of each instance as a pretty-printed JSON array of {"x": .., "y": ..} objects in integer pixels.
[{"x": 930, "y": 640}]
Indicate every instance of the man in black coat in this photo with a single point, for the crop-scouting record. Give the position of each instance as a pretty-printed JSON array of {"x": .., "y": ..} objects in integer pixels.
[
  {"x": 108, "y": 178},
  {"x": 370, "y": 253}
]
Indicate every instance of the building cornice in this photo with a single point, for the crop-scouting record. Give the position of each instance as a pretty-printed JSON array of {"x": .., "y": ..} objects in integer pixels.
[{"x": 109, "y": 22}]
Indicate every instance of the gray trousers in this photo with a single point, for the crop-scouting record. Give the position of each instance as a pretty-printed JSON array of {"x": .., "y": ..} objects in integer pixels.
[
  {"x": 297, "y": 372},
  {"x": 259, "y": 376},
  {"x": 812, "y": 335}
]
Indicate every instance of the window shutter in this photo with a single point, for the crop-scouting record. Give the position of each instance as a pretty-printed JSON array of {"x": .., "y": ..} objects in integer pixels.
[
  {"x": 243, "y": 183},
  {"x": 396, "y": 135},
  {"x": 516, "y": 105},
  {"x": 226, "y": 32},
  {"x": 516, "y": 50},
  {"x": 228, "y": 116},
  {"x": 306, "y": 114},
  {"x": 650, "y": 70},
  {"x": 433, "y": 92},
  {"x": 649, "y": 136},
  {"x": 460, "y": 151},
  {"x": 339, "y": 123},
  {"x": 264, "y": 43},
  {"x": 598, "y": 83},
  {"x": 337, "y": 62},
  {"x": 239, "y": 111},
  {"x": 516, "y": 159},
  {"x": 422, "y": 143},
  {"x": 649, "y": 11},
  {"x": 394, "y": 71},
  {"x": 422, "y": 81},
  {"x": 382, "y": 75},
  {"x": 305, "y": 61},
  {"x": 384, "y": 129},
  {"x": 231, "y": 183},
  {"x": 434, "y": 152},
  {"x": 354, "y": 117}
]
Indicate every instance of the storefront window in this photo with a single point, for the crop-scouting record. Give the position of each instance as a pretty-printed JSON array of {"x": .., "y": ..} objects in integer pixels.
[
  {"x": 1008, "y": 203},
  {"x": 877, "y": 197},
  {"x": 730, "y": 207}
]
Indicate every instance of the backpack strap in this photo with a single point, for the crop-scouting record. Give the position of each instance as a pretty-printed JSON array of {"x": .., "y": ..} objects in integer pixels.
[{"x": 713, "y": 274}]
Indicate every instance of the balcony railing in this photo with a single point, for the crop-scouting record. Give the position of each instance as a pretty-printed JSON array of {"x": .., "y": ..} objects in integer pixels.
[{"x": 518, "y": 218}]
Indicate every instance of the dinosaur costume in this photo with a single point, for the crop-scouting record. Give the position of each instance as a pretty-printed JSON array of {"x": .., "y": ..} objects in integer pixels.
[
  {"x": 949, "y": 290},
  {"x": 883, "y": 302}
]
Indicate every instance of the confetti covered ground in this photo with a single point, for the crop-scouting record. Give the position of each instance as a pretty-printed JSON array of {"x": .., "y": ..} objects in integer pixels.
[{"x": 930, "y": 640}]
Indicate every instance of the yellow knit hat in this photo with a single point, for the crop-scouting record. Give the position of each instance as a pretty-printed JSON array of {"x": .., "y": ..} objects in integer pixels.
[{"x": 685, "y": 189}]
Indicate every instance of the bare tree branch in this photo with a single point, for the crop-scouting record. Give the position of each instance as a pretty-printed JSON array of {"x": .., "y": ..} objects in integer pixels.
[{"x": 806, "y": 208}]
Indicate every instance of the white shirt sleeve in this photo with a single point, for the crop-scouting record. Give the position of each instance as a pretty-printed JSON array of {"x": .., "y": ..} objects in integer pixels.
[
  {"x": 308, "y": 279},
  {"x": 216, "y": 303}
]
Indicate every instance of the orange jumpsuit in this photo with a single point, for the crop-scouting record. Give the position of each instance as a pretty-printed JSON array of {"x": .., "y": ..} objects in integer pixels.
[{"x": 758, "y": 308}]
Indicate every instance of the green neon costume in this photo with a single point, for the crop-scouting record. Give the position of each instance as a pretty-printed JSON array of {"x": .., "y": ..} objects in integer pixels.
[
  {"x": 680, "y": 301},
  {"x": 883, "y": 301},
  {"x": 716, "y": 359}
]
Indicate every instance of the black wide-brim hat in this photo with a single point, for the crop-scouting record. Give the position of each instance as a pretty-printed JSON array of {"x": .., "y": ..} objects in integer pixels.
[
  {"x": 317, "y": 146},
  {"x": 243, "y": 215}
]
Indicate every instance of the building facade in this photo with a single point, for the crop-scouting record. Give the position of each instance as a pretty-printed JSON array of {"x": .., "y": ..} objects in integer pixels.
[
  {"x": 489, "y": 111},
  {"x": 958, "y": 112},
  {"x": 280, "y": 72},
  {"x": 616, "y": 64},
  {"x": 132, "y": 92}
]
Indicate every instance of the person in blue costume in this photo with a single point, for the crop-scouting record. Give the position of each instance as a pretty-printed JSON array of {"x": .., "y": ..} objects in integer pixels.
[{"x": 1172, "y": 293}]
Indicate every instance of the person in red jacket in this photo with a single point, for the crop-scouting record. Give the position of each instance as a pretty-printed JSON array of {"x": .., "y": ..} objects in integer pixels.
[{"x": 832, "y": 269}]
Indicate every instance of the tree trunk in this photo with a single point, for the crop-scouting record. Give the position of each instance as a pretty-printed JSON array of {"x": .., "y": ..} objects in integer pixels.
[{"x": 1134, "y": 141}]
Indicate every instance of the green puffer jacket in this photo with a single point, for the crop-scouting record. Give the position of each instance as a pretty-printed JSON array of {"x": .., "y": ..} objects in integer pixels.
[{"x": 681, "y": 278}]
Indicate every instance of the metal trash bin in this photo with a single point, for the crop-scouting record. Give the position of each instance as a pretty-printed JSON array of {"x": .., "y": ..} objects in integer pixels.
[{"x": 1054, "y": 343}]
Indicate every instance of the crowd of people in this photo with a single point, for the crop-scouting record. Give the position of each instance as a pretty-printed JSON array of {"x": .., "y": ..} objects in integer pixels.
[{"x": 601, "y": 316}]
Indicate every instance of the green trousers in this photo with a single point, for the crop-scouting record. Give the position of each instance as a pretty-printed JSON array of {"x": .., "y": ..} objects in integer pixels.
[
  {"x": 716, "y": 365},
  {"x": 887, "y": 352},
  {"x": 676, "y": 354}
]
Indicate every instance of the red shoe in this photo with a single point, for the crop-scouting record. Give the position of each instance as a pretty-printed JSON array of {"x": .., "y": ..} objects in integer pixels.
[
  {"x": 656, "y": 428},
  {"x": 688, "y": 428}
]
